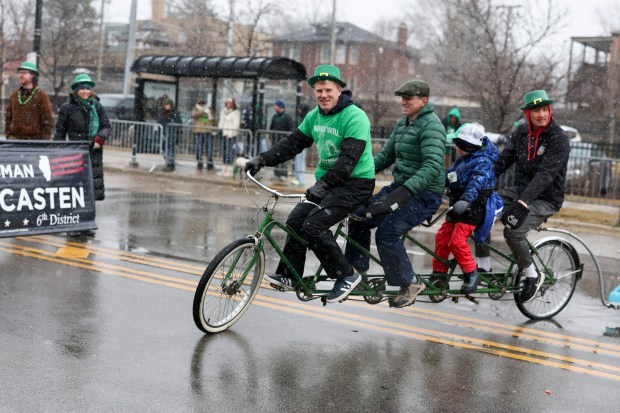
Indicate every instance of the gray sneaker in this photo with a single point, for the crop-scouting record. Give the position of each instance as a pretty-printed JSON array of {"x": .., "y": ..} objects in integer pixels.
[
  {"x": 280, "y": 282},
  {"x": 342, "y": 287},
  {"x": 407, "y": 295}
]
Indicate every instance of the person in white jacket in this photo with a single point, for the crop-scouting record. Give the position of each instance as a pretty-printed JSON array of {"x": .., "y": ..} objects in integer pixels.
[{"x": 229, "y": 124}]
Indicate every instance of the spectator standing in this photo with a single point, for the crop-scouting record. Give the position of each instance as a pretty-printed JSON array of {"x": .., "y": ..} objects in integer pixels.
[
  {"x": 171, "y": 121},
  {"x": 539, "y": 150},
  {"x": 29, "y": 110},
  {"x": 452, "y": 122},
  {"x": 203, "y": 136},
  {"x": 299, "y": 164},
  {"x": 416, "y": 149},
  {"x": 82, "y": 118},
  {"x": 281, "y": 121},
  {"x": 229, "y": 124}
]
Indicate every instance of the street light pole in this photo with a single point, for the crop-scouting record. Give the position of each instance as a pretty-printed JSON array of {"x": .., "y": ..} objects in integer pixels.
[{"x": 37, "y": 30}]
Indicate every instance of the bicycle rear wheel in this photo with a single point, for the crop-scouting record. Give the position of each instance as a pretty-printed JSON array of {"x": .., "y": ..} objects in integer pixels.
[
  {"x": 228, "y": 286},
  {"x": 561, "y": 263}
]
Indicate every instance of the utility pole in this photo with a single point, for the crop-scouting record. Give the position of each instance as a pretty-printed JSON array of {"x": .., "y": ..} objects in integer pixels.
[
  {"x": 130, "y": 46},
  {"x": 101, "y": 43},
  {"x": 332, "y": 58},
  {"x": 37, "y": 30}
]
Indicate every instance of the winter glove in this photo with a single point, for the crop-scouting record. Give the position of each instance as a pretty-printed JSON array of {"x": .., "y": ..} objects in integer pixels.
[
  {"x": 97, "y": 142},
  {"x": 391, "y": 202},
  {"x": 514, "y": 215},
  {"x": 460, "y": 207},
  {"x": 253, "y": 165},
  {"x": 316, "y": 192}
]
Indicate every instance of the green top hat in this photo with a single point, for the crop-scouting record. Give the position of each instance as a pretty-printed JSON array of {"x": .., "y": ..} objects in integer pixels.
[
  {"x": 326, "y": 72},
  {"x": 536, "y": 98},
  {"x": 28, "y": 66},
  {"x": 82, "y": 78}
]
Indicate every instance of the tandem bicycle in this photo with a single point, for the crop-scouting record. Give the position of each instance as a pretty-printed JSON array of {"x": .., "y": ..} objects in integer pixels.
[{"x": 232, "y": 279}]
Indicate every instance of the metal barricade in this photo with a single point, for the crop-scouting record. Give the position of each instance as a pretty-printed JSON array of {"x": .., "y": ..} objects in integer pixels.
[
  {"x": 136, "y": 137},
  {"x": 209, "y": 140}
]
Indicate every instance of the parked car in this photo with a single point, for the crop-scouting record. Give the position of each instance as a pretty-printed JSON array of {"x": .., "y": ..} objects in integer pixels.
[
  {"x": 117, "y": 105},
  {"x": 589, "y": 170},
  {"x": 572, "y": 133}
]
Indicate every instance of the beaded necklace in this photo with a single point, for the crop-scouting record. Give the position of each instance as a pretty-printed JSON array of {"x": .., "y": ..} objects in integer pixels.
[{"x": 25, "y": 102}]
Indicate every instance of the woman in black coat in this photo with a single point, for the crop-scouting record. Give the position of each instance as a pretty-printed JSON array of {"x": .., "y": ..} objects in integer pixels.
[{"x": 82, "y": 118}]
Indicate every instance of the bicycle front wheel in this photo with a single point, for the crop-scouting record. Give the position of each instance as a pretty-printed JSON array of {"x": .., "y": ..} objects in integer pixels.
[
  {"x": 560, "y": 262},
  {"x": 228, "y": 286}
]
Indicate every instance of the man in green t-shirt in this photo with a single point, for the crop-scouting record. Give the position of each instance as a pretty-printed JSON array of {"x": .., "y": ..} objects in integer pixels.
[{"x": 345, "y": 180}]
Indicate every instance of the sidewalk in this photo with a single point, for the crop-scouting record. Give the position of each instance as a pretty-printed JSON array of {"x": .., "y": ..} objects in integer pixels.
[{"x": 118, "y": 161}]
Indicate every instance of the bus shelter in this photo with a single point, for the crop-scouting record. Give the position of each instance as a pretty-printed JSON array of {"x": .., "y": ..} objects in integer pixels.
[{"x": 159, "y": 78}]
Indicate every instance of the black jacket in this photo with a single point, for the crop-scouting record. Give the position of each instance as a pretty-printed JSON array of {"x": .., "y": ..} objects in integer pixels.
[
  {"x": 74, "y": 122},
  {"x": 540, "y": 163}
]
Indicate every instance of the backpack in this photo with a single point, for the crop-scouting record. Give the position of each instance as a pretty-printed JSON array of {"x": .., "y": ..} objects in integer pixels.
[{"x": 494, "y": 208}]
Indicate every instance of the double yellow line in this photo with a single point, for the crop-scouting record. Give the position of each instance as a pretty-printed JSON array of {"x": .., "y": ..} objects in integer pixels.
[{"x": 76, "y": 255}]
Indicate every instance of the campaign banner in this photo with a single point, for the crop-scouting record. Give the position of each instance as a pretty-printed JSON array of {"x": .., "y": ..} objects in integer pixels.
[{"x": 45, "y": 187}]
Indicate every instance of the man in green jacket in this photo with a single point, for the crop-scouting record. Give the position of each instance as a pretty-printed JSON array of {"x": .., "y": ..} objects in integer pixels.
[{"x": 416, "y": 151}]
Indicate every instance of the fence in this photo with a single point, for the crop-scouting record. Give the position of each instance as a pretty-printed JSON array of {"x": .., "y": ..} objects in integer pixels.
[{"x": 590, "y": 173}]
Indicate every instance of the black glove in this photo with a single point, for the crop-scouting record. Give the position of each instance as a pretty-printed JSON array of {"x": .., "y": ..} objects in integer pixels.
[
  {"x": 514, "y": 215},
  {"x": 316, "y": 192},
  {"x": 460, "y": 207},
  {"x": 391, "y": 202},
  {"x": 254, "y": 165}
]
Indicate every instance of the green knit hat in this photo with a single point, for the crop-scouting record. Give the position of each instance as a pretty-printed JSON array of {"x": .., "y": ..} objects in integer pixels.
[
  {"x": 326, "y": 72},
  {"x": 28, "y": 66},
  {"x": 535, "y": 98}
]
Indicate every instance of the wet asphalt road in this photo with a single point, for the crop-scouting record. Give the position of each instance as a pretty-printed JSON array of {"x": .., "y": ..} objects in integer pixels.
[{"x": 105, "y": 324}]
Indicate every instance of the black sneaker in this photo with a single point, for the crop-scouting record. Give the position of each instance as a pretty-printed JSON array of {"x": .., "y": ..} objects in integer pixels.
[
  {"x": 281, "y": 281},
  {"x": 200, "y": 166},
  {"x": 342, "y": 287},
  {"x": 531, "y": 286},
  {"x": 470, "y": 283}
]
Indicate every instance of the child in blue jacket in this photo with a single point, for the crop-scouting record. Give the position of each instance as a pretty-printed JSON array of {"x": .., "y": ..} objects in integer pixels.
[{"x": 470, "y": 181}]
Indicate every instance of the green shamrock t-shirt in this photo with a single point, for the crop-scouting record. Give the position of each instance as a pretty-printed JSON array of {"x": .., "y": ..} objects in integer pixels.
[{"x": 328, "y": 133}]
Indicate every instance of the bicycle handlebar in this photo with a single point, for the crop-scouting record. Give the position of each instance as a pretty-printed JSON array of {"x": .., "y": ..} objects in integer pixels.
[{"x": 273, "y": 191}]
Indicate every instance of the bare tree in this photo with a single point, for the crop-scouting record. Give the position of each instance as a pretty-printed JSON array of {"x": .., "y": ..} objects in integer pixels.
[
  {"x": 68, "y": 39},
  {"x": 18, "y": 28},
  {"x": 251, "y": 16},
  {"x": 491, "y": 51},
  {"x": 608, "y": 15},
  {"x": 195, "y": 25}
]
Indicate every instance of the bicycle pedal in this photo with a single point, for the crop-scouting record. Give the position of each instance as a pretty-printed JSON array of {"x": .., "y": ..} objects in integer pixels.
[{"x": 472, "y": 298}]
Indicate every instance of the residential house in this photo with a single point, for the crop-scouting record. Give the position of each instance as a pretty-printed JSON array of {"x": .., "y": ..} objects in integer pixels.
[{"x": 372, "y": 66}]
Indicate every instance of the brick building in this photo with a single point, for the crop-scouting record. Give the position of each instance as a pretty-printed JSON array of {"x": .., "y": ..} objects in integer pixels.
[{"x": 372, "y": 66}]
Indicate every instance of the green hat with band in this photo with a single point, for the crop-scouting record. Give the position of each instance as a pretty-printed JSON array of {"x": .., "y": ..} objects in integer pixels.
[
  {"x": 326, "y": 72},
  {"x": 82, "y": 78},
  {"x": 536, "y": 98},
  {"x": 28, "y": 66}
]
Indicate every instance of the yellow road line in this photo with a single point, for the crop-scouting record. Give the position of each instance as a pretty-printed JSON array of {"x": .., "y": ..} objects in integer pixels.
[
  {"x": 421, "y": 333},
  {"x": 430, "y": 332}
]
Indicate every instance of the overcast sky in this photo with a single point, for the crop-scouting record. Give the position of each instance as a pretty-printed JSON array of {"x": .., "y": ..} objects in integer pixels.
[{"x": 363, "y": 13}]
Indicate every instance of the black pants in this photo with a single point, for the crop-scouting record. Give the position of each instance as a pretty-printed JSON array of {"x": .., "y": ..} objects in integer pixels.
[{"x": 312, "y": 224}]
